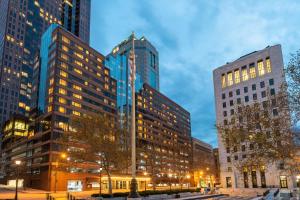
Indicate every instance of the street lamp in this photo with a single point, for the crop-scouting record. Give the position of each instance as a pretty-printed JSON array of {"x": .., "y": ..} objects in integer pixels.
[
  {"x": 170, "y": 176},
  {"x": 188, "y": 177},
  {"x": 18, "y": 163},
  {"x": 145, "y": 174},
  {"x": 100, "y": 192},
  {"x": 62, "y": 156}
]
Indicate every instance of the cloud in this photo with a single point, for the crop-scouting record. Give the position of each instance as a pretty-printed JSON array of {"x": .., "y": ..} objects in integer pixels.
[{"x": 193, "y": 37}]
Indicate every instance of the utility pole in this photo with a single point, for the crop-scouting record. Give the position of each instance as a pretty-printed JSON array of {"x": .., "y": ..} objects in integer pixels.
[{"x": 134, "y": 185}]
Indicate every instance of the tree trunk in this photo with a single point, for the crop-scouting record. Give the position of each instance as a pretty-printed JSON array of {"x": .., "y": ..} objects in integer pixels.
[{"x": 109, "y": 183}]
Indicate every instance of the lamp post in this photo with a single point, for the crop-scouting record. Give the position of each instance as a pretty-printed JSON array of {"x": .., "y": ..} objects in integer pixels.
[
  {"x": 18, "y": 163},
  {"x": 62, "y": 156},
  {"x": 188, "y": 177},
  {"x": 134, "y": 185},
  {"x": 170, "y": 176},
  {"x": 100, "y": 186}
]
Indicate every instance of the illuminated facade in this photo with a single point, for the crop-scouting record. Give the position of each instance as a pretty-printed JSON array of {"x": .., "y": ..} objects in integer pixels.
[
  {"x": 241, "y": 82},
  {"x": 73, "y": 81},
  {"x": 163, "y": 138},
  {"x": 204, "y": 165},
  {"x": 22, "y": 25}
]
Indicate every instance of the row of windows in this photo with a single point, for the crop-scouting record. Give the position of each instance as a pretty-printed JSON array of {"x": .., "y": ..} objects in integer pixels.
[
  {"x": 244, "y": 74},
  {"x": 238, "y": 92},
  {"x": 246, "y": 98}
]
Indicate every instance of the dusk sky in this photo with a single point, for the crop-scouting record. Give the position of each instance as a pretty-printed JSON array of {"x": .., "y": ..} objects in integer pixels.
[{"x": 193, "y": 37}]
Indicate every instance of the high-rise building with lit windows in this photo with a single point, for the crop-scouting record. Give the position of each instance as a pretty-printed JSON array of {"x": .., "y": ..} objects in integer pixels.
[
  {"x": 164, "y": 140},
  {"x": 244, "y": 81},
  {"x": 72, "y": 81},
  {"x": 22, "y": 24}
]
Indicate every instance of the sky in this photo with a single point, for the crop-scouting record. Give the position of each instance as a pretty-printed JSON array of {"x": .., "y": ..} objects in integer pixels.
[{"x": 193, "y": 37}]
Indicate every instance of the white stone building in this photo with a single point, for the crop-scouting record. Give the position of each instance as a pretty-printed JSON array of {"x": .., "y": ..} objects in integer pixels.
[{"x": 243, "y": 81}]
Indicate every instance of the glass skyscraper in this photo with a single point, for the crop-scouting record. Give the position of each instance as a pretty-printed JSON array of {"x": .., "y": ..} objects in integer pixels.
[
  {"x": 22, "y": 25},
  {"x": 147, "y": 70}
]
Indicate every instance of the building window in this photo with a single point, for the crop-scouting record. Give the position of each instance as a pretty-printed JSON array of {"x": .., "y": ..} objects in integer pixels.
[
  {"x": 254, "y": 97},
  {"x": 243, "y": 147},
  {"x": 236, "y": 76},
  {"x": 246, "y": 98},
  {"x": 268, "y": 65},
  {"x": 228, "y": 159},
  {"x": 62, "y": 91},
  {"x": 224, "y": 113},
  {"x": 78, "y": 71},
  {"x": 62, "y": 82},
  {"x": 275, "y": 112},
  {"x": 76, "y": 87},
  {"x": 253, "y": 87},
  {"x": 224, "y": 104},
  {"x": 66, "y": 40},
  {"x": 62, "y": 100},
  {"x": 78, "y": 105},
  {"x": 228, "y": 150},
  {"x": 263, "y": 94},
  {"x": 245, "y": 89},
  {"x": 230, "y": 79},
  {"x": 262, "y": 84},
  {"x": 63, "y": 74},
  {"x": 76, "y": 113},
  {"x": 271, "y": 81},
  {"x": 238, "y": 101},
  {"x": 231, "y": 102},
  {"x": 272, "y": 91},
  {"x": 252, "y": 71},
  {"x": 223, "y": 96},
  {"x": 228, "y": 182},
  {"x": 245, "y": 74},
  {"x": 77, "y": 96},
  {"x": 260, "y": 66},
  {"x": 238, "y": 92},
  {"x": 61, "y": 109},
  {"x": 223, "y": 81},
  {"x": 230, "y": 94},
  {"x": 236, "y": 157},
  {"x": 232, "y": 112}
]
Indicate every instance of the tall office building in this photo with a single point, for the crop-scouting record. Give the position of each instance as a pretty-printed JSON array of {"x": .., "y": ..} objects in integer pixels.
[
  {"x": 22, "y": 25},
  {"x": 73, "y": 81},
  {"x": 242, "y": 82},
  {"x": 147, "y": 71},
  {"x": 163, "y": 138}
]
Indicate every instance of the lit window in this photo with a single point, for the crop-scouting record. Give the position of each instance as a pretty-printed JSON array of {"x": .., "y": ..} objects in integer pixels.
[
  {"x": 230, "y": 79},
  {"x": 261, "y": 69},
  {"x": 252, "y": 72},
  {"x": 61, "y": 109},
  {"x": 62, "y": 100},
  {"x": 64, "y": 65},
  {"x": 77, "y": 96},
  {"x": 245, "y": 74},
  {"x": 49, "y": 108},
  {"x": 79, "y": 55},
  {"x": 62, "y": 91},
  {"x": 66, "y": 40},
  {"x": 76, "y": 104},
  {"x": 106, "y": 72},
  {"x": 50, "y": 99},
  {"x": 78, "y": 71},
  {"x": 78, "y": 63},
  {"x": 50, "y": 91},
  {"x": 79, "y": 47},
  {"x": 51, "y": 81},
  {"x": 63, "y": 74},
  {"x": 64, "y": 56},
  {"x": 66, "y": 49},
  {"x": 268, "y": 65},
  {"x": 236, "y": 76},
  {"x": 62, "y": 82},
  {"x": 76, "y": 113},
  {"x": 106, "y": 86},
  {"x": 76, "y": 87},
  {"x": 223, "y": 80}
]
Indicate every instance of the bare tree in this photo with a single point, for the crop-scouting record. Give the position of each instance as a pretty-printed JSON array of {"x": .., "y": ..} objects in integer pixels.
[
  {"x": 95, "y": 140},
  {"x": 264, "y": 131}
]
